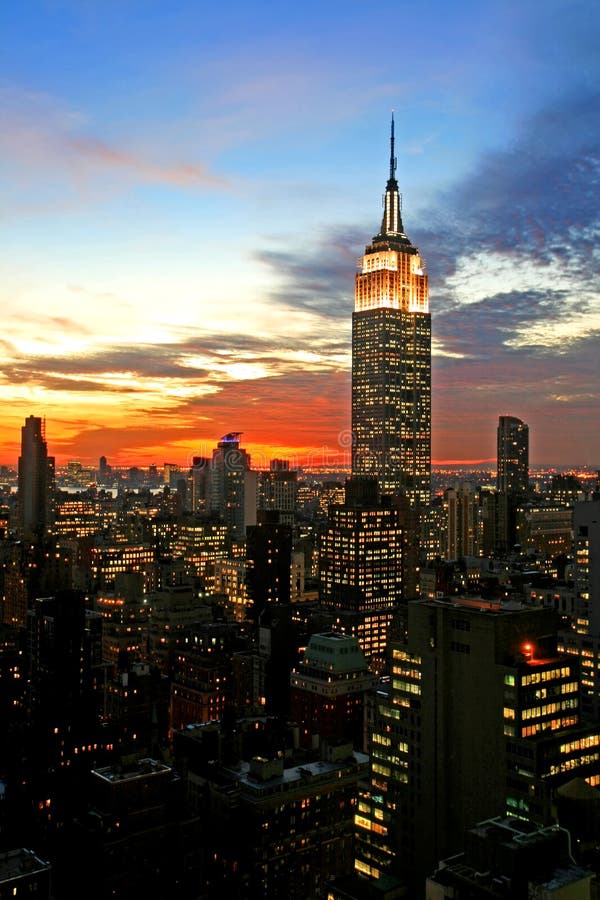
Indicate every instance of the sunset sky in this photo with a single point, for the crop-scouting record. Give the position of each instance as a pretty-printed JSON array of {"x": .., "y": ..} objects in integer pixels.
[{"x": 187, "y": 186}]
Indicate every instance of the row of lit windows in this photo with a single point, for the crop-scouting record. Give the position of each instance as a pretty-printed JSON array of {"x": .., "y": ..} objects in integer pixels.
[
  {"x": 407, "y": 671},
  {"x": 549, "y": 708},
  {"x": 582, "y": 743},
  {"x": 546, "y": 675},
  {"x": 553, "y": 724},
  {"x": 406, "y": 686},
  {"x": 406, "y": 656},
  {"x": 569, "y": 687},
  {"x": 569, "y": 764}
]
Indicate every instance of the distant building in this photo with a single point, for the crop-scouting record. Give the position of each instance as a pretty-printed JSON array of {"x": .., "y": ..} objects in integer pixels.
[
  {"x": 201, "y": 544},
  {"x": 201, "y": 486},
  {"x": 512, "y": 477},
  {"x": 463, "y": 529},
  {"x": 230, "y": 583},
  {"x": 109, "y": 557},
  {"x": 278, "y": 490},
  {"x": 513, "y": 457},
  {"x": 544, "y": 528},
  {"x": 36, "y": 481},
  {"x": 234, "y": 486}
]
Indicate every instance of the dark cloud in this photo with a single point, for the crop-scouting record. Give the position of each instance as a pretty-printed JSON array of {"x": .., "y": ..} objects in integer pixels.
[
  {"x": 481, "y": 328},
  {"x": 319, "y": 279},
  {"x": 536, "y": 199}
]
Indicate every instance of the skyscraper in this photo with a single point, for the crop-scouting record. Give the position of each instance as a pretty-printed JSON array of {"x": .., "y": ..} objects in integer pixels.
[
  {"x": 481, "y": 717},
  {"x": 233, "y": 485},
  {"x": 35, "y": 480},
  {"x": 391, "y": 359},
  {"x": 582, "y": 639},
  {"x": 361, "y": 565},
  {"x": 513, "y": 456},
  {"x": 512, "y": 479}
]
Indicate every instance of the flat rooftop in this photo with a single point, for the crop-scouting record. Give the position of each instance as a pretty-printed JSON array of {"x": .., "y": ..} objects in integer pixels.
[
  {"x": 18, "y": 863},
  {"x": 140, "y": 769}
]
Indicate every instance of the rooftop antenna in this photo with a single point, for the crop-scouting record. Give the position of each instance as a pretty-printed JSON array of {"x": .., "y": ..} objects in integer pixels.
[{"x": 392, "y": 157}]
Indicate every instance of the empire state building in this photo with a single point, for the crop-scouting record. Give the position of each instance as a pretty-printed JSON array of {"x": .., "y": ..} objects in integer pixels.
[{"x": 391, "y": 359}]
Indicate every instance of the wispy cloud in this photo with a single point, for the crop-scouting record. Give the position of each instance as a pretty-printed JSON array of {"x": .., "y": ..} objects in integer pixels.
[{"x": 40, "y": 135}]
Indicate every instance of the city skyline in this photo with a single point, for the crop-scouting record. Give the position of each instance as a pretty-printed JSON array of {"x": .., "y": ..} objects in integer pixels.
[{"x": 184, "y": 212}]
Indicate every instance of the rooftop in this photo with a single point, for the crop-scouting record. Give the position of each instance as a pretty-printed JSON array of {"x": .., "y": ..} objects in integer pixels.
[
  {"x": 289, "y": 778},
  {"x": 17, "y": 863},
  {"x": 334, "y": 652},
  {"x": 142, "y": 768}
]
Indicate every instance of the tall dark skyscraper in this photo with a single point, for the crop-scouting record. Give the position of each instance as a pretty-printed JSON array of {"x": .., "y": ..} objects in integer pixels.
[
  {"x": 391, "y": 359},
  {"x": 36, "y": 480},
  {"x": 512, "y": 478},
  {"x": 513, "y": 456},
  {"x": 481, "y": 717}
]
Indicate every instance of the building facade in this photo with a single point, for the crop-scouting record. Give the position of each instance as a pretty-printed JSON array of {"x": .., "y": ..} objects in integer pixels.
[
  {"x": 583, "y": 638},
  {"x": 361, "y": 565},
  {"x": 481, "y": 718}
]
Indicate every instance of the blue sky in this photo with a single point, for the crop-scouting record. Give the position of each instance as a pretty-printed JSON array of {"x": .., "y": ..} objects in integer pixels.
[{"x": 187, "y": 191}]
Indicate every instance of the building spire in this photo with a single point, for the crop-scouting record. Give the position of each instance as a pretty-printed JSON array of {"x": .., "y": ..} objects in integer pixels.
[
  {"x": 392, "y": 157},
  {"x": 391, "y": 224}
]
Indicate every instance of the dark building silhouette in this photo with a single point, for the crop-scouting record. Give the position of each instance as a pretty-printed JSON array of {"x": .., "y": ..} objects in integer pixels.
[
  {"x": 24, "y": 874},
  {"x": 269, "y": 555},
  {"x": 512, "y": 478},
  {"x": 511, "y": 858},
  {"x": 35, "y": 480},
  {"x": 479, "y": 707},
  {"x": 65, "y": 655},
  {"x": 275, "y": 827},
  {"x": 135, "y": 838}
]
